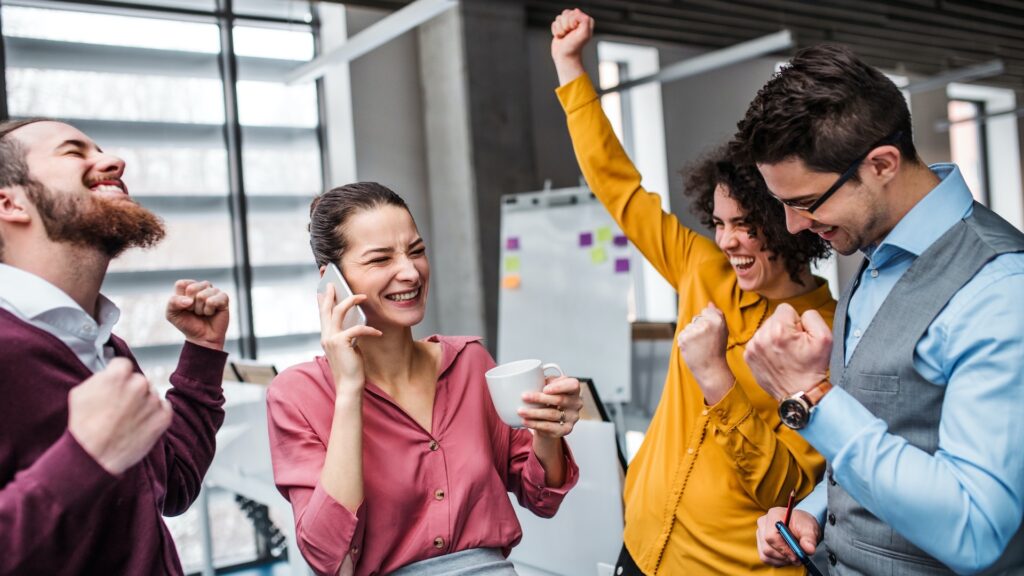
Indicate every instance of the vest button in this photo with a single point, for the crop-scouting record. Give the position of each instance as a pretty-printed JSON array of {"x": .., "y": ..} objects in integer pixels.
[
  {"x": 439, "y": 542},
  {"x": 433, "y": 445},
  {"x": 831, "y": 518},
  {"x": 832, "y": 558},
  {"x": 439, "y": 495}
]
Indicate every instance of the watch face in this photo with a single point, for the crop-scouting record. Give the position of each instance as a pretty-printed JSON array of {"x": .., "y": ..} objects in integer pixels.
[{"x": 793, "y": 413}]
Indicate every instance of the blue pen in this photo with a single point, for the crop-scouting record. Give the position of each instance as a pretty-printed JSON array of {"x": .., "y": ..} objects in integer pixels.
[{"x": 795, "y": 547}]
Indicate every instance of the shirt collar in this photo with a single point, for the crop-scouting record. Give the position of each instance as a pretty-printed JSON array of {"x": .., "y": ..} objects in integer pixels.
[
  {"x": 948, "y": 203},
  {"x": 30, "y": 295},
  {"x": 814, "y": 300},
  {"x": 36, "y": 299},
  {"x": 451, "y": 347}
]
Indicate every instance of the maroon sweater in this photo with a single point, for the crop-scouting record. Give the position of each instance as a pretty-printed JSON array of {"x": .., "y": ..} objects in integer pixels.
[{"x": 60, "y": 511}]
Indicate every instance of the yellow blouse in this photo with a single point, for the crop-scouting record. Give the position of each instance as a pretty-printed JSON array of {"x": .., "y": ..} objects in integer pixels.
[{"x": 704, "y": 474}]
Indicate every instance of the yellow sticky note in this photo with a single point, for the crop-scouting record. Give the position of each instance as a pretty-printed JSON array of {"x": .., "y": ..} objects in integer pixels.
[
  {"x": 598, "y": 255},
  {"x": 511, "y": 263},
  {"x": 604, "y": 234},
  {"x": 511, "y": 282}
]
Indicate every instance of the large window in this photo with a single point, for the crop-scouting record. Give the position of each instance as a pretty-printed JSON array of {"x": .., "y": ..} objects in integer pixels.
[
  {"x": 967, "y": 144},
  {"x": 984, "y": 141},
  {"x": 218, "y": 146},
  {"x": 636, "y": 116}
]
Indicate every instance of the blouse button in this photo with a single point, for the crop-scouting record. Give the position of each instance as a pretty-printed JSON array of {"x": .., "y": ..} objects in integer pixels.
[
  {"x": 874, "y": 273},
  {"x": 689, "y": 450},
  {"x": 439, "y": 494},
  {"x": 439, "y": 542},
  {"x": 433, "y": 445}
]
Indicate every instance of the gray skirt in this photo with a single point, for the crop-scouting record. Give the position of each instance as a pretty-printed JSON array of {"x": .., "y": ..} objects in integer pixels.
[{"x": 472, "y": 562}]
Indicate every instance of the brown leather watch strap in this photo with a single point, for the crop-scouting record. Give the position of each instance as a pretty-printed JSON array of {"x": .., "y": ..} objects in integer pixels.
[{"x": 814, "y": 395}]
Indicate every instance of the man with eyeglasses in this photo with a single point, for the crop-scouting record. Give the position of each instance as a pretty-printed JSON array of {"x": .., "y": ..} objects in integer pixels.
[{"x": 916, "y": 396}]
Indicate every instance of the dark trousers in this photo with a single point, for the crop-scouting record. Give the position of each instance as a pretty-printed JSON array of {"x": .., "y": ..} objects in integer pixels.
[{"x": 625, "y": 565}]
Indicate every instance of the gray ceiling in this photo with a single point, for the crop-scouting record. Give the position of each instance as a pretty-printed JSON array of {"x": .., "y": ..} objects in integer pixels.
[{"x": 917, "y": 36}]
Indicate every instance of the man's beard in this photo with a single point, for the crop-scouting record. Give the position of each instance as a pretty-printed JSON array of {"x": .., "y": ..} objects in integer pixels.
[{"x": 111, "y": 226}]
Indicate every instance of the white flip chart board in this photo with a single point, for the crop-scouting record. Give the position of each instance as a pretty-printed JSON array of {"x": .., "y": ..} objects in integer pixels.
[{"x": 566, "y": 287}]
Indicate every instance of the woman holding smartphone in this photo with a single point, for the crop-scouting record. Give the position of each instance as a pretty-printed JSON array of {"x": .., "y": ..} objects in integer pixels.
[
  {"x": 715, "y": 456},
  {"x": 389, "y": 448}
]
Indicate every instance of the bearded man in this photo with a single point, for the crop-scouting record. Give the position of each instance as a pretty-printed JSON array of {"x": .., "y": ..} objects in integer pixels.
[{"x": 90, "y": 456}]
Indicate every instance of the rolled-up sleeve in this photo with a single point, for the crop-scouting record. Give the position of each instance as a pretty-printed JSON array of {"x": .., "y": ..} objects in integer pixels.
[{"x": 526, "y": 476}]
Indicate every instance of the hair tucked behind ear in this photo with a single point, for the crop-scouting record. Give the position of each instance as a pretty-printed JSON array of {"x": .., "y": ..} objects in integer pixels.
[{"x": 329, "y": 212}]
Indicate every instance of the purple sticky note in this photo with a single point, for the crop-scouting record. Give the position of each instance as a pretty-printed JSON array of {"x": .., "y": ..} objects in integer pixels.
[
  {"x": 621, "y": 265},
  {"x": 586, "y": 239},
  {"x": 512, "y": 243},
  {"x": 620, "y": 240}
]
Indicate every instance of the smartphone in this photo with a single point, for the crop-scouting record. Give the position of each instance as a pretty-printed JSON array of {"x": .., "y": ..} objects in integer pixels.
[
  {"x": 802, "y": 556},
  {"x": 332, "y": 275}
]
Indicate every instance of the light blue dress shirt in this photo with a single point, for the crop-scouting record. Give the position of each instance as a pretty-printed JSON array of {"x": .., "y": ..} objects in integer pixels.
[{"x": 963, "y": 504}]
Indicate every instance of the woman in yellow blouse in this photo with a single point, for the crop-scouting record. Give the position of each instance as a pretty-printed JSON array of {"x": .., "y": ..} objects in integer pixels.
[{"x": 715, "y": 456}]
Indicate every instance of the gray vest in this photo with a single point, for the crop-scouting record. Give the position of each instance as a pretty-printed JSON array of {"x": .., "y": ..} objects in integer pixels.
[{"x": 881, "y": 376}]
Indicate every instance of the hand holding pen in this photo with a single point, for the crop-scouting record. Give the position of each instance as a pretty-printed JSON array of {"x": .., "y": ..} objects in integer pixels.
[
  {"x": 787, "y": 536},
  {"x": 794, "y": 546},
  {"x": 771, "y": 545}
]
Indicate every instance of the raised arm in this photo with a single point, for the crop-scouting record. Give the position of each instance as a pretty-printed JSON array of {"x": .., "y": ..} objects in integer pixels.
[
  {"x": 199, "y": 311},
  {"x": 324, "y": 482},
  {"x": 664, "y": 242}
]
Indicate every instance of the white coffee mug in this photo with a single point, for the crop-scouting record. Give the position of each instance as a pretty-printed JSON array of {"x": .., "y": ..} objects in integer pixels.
[{"x": 509, "y": 381}]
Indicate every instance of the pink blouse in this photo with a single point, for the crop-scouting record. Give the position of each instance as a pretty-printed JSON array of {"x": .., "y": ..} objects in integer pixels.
[{"x": 425, "y": 494}]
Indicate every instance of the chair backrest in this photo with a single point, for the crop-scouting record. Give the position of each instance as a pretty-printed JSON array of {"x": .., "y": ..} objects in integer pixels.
[{"x": 253, "y": 372}]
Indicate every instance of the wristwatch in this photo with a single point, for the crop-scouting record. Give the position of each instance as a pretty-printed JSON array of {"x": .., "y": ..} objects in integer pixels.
[{"x": 795, "y": 411}]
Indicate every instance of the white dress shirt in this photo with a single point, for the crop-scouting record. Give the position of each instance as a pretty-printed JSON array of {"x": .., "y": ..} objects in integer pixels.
[{"x": 43, "y": 305}]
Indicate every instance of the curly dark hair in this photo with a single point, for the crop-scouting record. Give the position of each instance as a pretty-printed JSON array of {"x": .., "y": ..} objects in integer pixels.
[
  {"x": 764, "y": 214},
  {"x": 825, "y": 107}
]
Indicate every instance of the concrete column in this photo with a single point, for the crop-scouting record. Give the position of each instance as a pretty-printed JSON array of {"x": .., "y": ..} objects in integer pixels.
[
  {"x": 474, "y": 65},
  {"x": 497, "y": 72},
  {"x": 337, "y": 105},
  {"x": 456, "y": 257}
]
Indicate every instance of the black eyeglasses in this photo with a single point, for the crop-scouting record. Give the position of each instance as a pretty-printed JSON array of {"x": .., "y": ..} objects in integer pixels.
[{"x": 843, "y": 178}]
